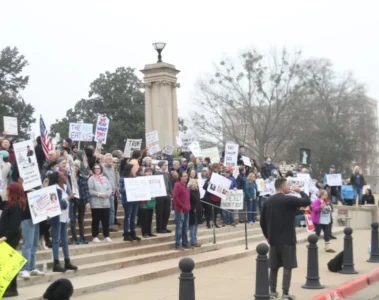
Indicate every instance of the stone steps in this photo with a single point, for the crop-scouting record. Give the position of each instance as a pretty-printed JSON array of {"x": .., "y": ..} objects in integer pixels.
[{"x": 149, "y": 263}]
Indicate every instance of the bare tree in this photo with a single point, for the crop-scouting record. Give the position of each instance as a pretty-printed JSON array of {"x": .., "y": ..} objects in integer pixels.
[{"x": 252, "y": 102}]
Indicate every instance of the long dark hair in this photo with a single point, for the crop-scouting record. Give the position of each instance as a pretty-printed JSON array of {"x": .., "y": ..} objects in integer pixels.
[
  {"x": 127, "y": 172},
  {"x": 53, "y": 178}
]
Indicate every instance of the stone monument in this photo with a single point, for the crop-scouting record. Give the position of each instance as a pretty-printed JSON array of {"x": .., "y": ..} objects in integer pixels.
[{"x": 161, "y": 110}]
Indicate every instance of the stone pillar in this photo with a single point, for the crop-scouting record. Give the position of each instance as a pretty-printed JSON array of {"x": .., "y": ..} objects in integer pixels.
[{"x": 161, "y": 112}]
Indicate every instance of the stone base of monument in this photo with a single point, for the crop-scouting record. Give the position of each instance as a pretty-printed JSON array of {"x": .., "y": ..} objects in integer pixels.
[{"x": 360, "y": 217}]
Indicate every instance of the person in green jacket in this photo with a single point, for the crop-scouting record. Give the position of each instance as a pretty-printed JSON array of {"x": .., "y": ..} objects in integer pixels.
[{"x": 146, "y": 211}]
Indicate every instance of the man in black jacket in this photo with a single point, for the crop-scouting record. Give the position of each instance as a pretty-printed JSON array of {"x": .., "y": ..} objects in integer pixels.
[{"x": 278, "y": 226}]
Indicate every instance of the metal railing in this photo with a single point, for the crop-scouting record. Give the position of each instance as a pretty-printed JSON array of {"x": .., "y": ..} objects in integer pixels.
[{"x": 213, "y": 217}]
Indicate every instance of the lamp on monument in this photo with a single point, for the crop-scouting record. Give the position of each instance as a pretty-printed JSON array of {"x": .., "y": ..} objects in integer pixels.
[{"x": 159, "y": 47}]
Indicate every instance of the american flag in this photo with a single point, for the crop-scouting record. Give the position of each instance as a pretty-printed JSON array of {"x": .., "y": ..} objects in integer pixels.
[{"x": 47, "y": 144}]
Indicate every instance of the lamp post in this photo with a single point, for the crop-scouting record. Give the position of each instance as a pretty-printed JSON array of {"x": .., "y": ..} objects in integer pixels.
[{"x": 159, "y": 47}]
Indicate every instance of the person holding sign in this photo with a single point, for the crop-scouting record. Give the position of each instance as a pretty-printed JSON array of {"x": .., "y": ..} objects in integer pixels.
[
  {"x": 146, "y": 210},
  {"x": 278, "y": 226},
  {"x": 182, "y": 205},
  {"x": 251, "y": 194},
  {"x": 10, "y": 223}
]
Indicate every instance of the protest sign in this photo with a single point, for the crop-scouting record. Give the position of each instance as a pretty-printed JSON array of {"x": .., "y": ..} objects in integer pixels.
[
  {"x": 297, "y": 181},
  {"x": 186, "y": 141},
  {"x": 347, "y": 192},
  {"x": 81, "y": 132},
  {"x": 246, "y": 161},
  {"x": 11, "y": 263},
  {"x": 1, "y": 172},
  {"x": 219, "y": 186},
  {"x": 233, "y": 201},
  {"x": 201, "y": 183},
  {"x": 212, "y": 153},
  {"x": 334, "y": 179},
  {"x": 156, "y": 186},
  {"x": 169, "y": 150},
  {"x": 308, "y": 183},
  {"x": 137, "y": 189},
  {"x": 99, "y": 146},
  {"x": 269, "y": 187},
  {"x": 27, "y": 164},
  {"x": 260, "y": 184},
  {"x": 231, "y": 154},
  {"x": 72, "y": 173},
  {"x": 179, "y": 142},
  {"x": 131, "y": 145},
  {"x": 43, "y": 204},
  {"x": 195, "y": 148},
  {"x": 101, "y": 130},
  {"x": 152, "y": 142},
  {"x": 10, "y": 125}
]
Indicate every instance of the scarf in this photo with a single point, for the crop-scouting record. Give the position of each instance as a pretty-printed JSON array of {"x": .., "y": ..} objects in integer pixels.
[{"x": 99, "y": 178}]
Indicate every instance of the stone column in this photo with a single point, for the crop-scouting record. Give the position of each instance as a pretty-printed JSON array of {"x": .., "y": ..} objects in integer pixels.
[{"x": 161, "y": 112}]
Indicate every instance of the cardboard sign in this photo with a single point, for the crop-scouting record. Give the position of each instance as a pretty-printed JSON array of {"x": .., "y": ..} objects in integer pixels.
[
  {"x": 195, "y": 148},
  {"x": 81, "y": 132},
  {"x": 169, "y": 150},
  {"x": 233, "y": 201},
  {"x": 231, "y": 154},
  {"x": 219, "y": 186},
  {"x": 212, "y": 153},
  {"x": 101, "y": 130},
  {"x": 152, "y": 142},
  {"x": 334, "y": 179},
  {"x": 246, "y": 161},
  {"x": 10, "y": 125},
  {"x": 131, "y": 145}
]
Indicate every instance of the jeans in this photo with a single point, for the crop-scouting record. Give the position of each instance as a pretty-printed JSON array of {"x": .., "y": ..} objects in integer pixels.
[
  {"x": 77, "y": 208},
  {"x": 325, "y": 229},
  {"x": 227, "y": 217},
  {"x": 334, "y": 200},
  {"x": 30, "y": 233},
  {"x": 181, "y": 228},
  {"x": 130, "y": 211},
  {"x": 358, "y": 192},
  {"x": 251, "y": 208},
  {"x": 59, "y": 234},
  {"x": 193, "y": 232},
  {"x": 111, "y": 210}
]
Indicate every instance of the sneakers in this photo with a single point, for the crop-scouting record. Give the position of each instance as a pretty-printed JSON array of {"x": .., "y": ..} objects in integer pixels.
[
  {"x": 96, "y": 240},
  {"x": 83, "y": 241},
  {"x": 128, "y": 238},
  {"x": 196, "y": 245},
  {"x": 251, "y": 223},
  {"x": 179, "y": 248},
  {"x": 274, "y": 295},
  {"x": 108, "y": 240},
  {"x": 37, "y": 272},
  {"x": 75, "y": 242},
  {"x": 24, "y": 275},
  {"x": 288, "y": 297}
]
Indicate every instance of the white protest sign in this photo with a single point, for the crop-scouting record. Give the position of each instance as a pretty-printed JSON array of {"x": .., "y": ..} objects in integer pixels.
[
  {"x": 43, "y": 204},
  {"x": 195, "y": 148},
  {"x": 131, "y": 145},
  {"x": 10, "y": 125},
  {"x": 260, "y": 185},
  {"x": 81, "y": 132},
  {"x": 233, "y": 201},
  {"x": 179, "y": 141},
  {"x": 231, "y": 154},
  {"x": 1, "y": 172},
  {"x": 269, "y": 188},
  {"x": 186, "y": 141},
  {"x": 308, "y": 183},
  {"x": 201, "y": 182},
  {"x": 212, "y": 153},
  {"x": 334, "y": 179},
  {"x": 169, "y": 150},
  {"x": 27, "y": 164},
  {"x": 219, "y": 186},
  {"x": 74, "y": 182},
  {"x": 101, "y": 130},
  {"x": 157, "y": 186},
  {"x": 297, "y": 181},
  {"x": 137, "y": 189},
  {"x": 152, "y": 142},
  {"x": 246, "y": 161},
  {"x": 99, "y": 146}
]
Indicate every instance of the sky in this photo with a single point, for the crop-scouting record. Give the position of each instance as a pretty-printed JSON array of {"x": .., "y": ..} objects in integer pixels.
[{"x": 69, "y": 43}]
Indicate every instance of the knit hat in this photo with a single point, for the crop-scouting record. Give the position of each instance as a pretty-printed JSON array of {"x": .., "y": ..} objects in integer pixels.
[
  {"x": 161, "y": 163},
  {"x": 60, "y": 159},
  {"x": 68, "y": 140},
  {"x": 60, "y": 289},
  {"x": 4, "y": 154}
]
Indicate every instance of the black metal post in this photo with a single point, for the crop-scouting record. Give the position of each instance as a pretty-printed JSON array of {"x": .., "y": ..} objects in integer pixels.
[
  {"x": 348, "y": 257},
  {"x": 159, "y": 55},
  {"x": 214, "y": 225},
  {"x": 246, "y": 246},
  {"x": 262, "y": 290},
  {"x": 313, "y": 278},
  {"x": 374, "y": 256},
  {"x": 186, "y": 279}
]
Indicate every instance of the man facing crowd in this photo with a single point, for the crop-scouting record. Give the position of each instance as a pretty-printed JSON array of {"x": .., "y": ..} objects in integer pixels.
[{"x": 278, "y": 226}]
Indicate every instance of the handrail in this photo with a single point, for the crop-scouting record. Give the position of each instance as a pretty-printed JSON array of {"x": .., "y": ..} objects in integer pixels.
[{"x": 213, "y": 220}]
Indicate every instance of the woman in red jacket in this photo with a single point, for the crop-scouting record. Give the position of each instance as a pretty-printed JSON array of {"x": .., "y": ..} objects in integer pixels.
[{"x": 182, "y": 206}]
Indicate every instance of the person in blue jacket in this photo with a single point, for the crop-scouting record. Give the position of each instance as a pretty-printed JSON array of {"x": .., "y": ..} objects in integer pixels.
[
  {"x": 228, "y": 218},
  {"x": 251, "y": 196}
]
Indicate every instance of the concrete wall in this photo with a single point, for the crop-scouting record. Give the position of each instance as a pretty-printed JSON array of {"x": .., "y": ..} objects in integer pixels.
[{"x": 360, "y": 217}]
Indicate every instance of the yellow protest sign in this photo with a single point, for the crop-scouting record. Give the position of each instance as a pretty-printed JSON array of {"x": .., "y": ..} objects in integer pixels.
[{"x": 11, "y": 263}]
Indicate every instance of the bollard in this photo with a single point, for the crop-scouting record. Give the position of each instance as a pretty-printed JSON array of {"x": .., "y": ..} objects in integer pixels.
[
  {"x": 374, "y": 255},
  {"x": 348, "y": 257},
  {"x": 313, "y": 278},
  {"x": 262, "y": 290},
  {"x": 186, "y": 279}
]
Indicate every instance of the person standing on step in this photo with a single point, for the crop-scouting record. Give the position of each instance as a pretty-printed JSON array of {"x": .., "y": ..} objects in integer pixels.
[
  {"x": 100, "y": 190},
  {"x": 278, "y": 226},
  {"x": 130, "y": 207},
  {"x": 116, "y": 162},
  {"x": 195, "y": 214},
  {"x": 240, "y": 181},
  {"x": 251, "y": 198},
  {"x": 10, "y": 223},
  {"x": 321, "y": 217},
  {"x": 59, "y": 223},
  {"x": 213, "y": 200},
  {"x": 110, "y": 173},
  {"x": 147, "y": 210},
  {"x": 182, "y": 206},
  {"x": 163, "y": 204}
]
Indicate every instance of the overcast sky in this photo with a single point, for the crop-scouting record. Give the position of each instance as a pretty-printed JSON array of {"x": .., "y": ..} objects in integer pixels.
[{"x": 69, "y": 43}]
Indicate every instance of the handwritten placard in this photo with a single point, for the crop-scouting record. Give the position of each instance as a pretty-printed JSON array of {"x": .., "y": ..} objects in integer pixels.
[
  {"x": 231, "y": 154},
  {"x": 10, "y": 125},
  {"x": 131, "y": 145},
  {"x": 81, "y": 132},
  {"x": 101, "y": 130}
]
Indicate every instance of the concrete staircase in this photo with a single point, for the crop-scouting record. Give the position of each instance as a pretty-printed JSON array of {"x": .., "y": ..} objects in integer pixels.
[{"x": 108, "y": 265}]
